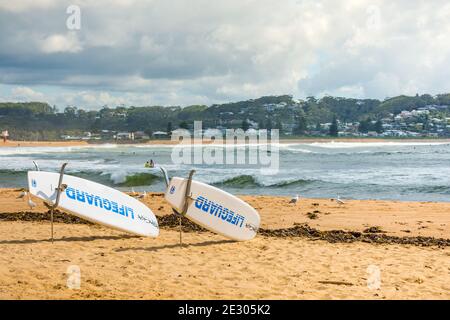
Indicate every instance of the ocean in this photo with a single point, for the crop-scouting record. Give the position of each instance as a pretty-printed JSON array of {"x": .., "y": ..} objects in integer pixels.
[{"x": 417, "y": 171}]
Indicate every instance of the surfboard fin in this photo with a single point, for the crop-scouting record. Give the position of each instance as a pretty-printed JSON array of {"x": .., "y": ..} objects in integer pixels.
[
  {"x": 188, "y": 194},
  {"x": 61, "y": 187}
]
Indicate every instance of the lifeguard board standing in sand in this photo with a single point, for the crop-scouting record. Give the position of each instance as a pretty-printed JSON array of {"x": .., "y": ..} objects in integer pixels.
[
  {"x": 214, "y": 209},
  {"x": 95, "y": 202}
]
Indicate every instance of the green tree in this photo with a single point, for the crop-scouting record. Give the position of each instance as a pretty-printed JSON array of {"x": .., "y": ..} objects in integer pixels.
[
  {"x": 334, "y": 130},
  {"x": 70, "y": 112},
  {"x": 245, "y": 125},
  {"x": 279, "y": 126},
  {"x": 318, "y": 127},
  {"x": 184, "y": 125},
  {"x": 169, "y": 127},
  {"x": 302, "y": 126},
  {"x": 378, "y": 126},
  {"x": 364, "y": 126},
  {"x": 269, "y": 124}
]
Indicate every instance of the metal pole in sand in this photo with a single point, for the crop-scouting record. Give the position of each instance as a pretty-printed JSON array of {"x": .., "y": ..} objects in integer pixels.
[
  {"x": 59, "y": 189},
  {"x": 181, "y": 230},
  {"x": 187, "y": 197}
]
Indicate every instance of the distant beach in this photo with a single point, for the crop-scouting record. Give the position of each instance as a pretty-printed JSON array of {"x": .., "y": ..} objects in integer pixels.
[{"x": 65, "y": 143}]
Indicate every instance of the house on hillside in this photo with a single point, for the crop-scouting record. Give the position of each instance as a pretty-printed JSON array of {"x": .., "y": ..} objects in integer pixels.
[
  {"x": 5, "y": 135},
  {"x": 123, "y": 136},
  {"x": 140, "y": 135},
  {"x": 160, "y": 135}
]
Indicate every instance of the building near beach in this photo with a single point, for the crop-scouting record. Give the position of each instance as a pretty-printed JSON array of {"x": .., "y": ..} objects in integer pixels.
[
  {"x": 5, "y": 135},
  {"x": 124, "y": 136},
  {"x": 160, "y": 134}
]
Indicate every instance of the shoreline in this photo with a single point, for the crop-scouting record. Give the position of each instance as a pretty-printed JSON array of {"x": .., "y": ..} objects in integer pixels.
[{"x": 82, "y": 143}]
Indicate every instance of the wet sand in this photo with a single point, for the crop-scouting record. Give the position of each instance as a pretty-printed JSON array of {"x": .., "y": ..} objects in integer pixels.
[{"x": 116, "y": 265}]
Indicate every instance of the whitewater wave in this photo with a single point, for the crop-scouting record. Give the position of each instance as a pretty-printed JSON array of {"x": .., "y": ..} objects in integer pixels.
[
  {"x": 12, "y": 151},
  {"x": 297, "y": 150},
  {"x": 338, "y": 145}
]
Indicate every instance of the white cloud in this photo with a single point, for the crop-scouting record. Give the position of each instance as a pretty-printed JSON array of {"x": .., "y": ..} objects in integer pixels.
[
  {"x": 61, "y": 43},
  {"x": 27, "y": 94},
  {"x": 24, "y": 5}
]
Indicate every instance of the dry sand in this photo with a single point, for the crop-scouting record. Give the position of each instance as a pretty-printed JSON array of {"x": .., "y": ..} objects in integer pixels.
[{"x": 119, "y": 266}]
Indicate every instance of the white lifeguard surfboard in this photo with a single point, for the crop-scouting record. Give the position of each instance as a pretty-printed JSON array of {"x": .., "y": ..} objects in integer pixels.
[
  {"x": 95, "y": 202},
  {"x": 214, "y": 209}
]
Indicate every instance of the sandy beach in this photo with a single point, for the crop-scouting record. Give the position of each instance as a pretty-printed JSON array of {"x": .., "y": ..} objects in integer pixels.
[{"x": 277, "y": 264}]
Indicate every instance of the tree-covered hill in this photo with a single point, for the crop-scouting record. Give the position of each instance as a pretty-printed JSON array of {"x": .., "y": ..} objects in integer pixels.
[{"x": 39, "y": 120}]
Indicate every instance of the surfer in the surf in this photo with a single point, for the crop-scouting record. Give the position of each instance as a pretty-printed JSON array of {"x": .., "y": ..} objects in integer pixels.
[{"x": 150, "y": 164}]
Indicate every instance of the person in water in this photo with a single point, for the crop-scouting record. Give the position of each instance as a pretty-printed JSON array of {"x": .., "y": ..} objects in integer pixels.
[{"x": 150, "y": 164}]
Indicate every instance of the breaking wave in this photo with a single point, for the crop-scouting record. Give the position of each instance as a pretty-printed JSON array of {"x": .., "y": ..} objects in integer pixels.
[
  {"x": 431, "y": 189},
  {"x": 248, "y": 181},
  {"x": 241, "y": 181},
  {"x": 291, "y": 183},
  {"x": 139, "y": 179},
  {"x": 337, "y": 145}
]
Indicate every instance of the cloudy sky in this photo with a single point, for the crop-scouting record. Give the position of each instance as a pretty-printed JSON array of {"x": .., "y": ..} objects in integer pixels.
[{"x": 174, "y": 52}]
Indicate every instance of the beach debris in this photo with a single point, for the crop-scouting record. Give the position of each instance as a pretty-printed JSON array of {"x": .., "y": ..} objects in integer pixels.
[
  {"x": 48, "y": 206},
  {"x": 312, "y": 215},
  {"x": 374, "y": 230},
  {"x": 157, "y": 195},
  {"x": 294, "y": 200},
  {"x": 22, "y": 195},
  {"x": 338, "y": 283},
  {"x": 172, "y": 221},
  {"x": 297, "y": 231},
  {"x": 59, "y": 216},
  {"x": 341, "y": 236}
]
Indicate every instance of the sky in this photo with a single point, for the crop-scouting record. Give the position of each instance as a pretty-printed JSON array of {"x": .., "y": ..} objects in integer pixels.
[{"x": 174, "y": 52}]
